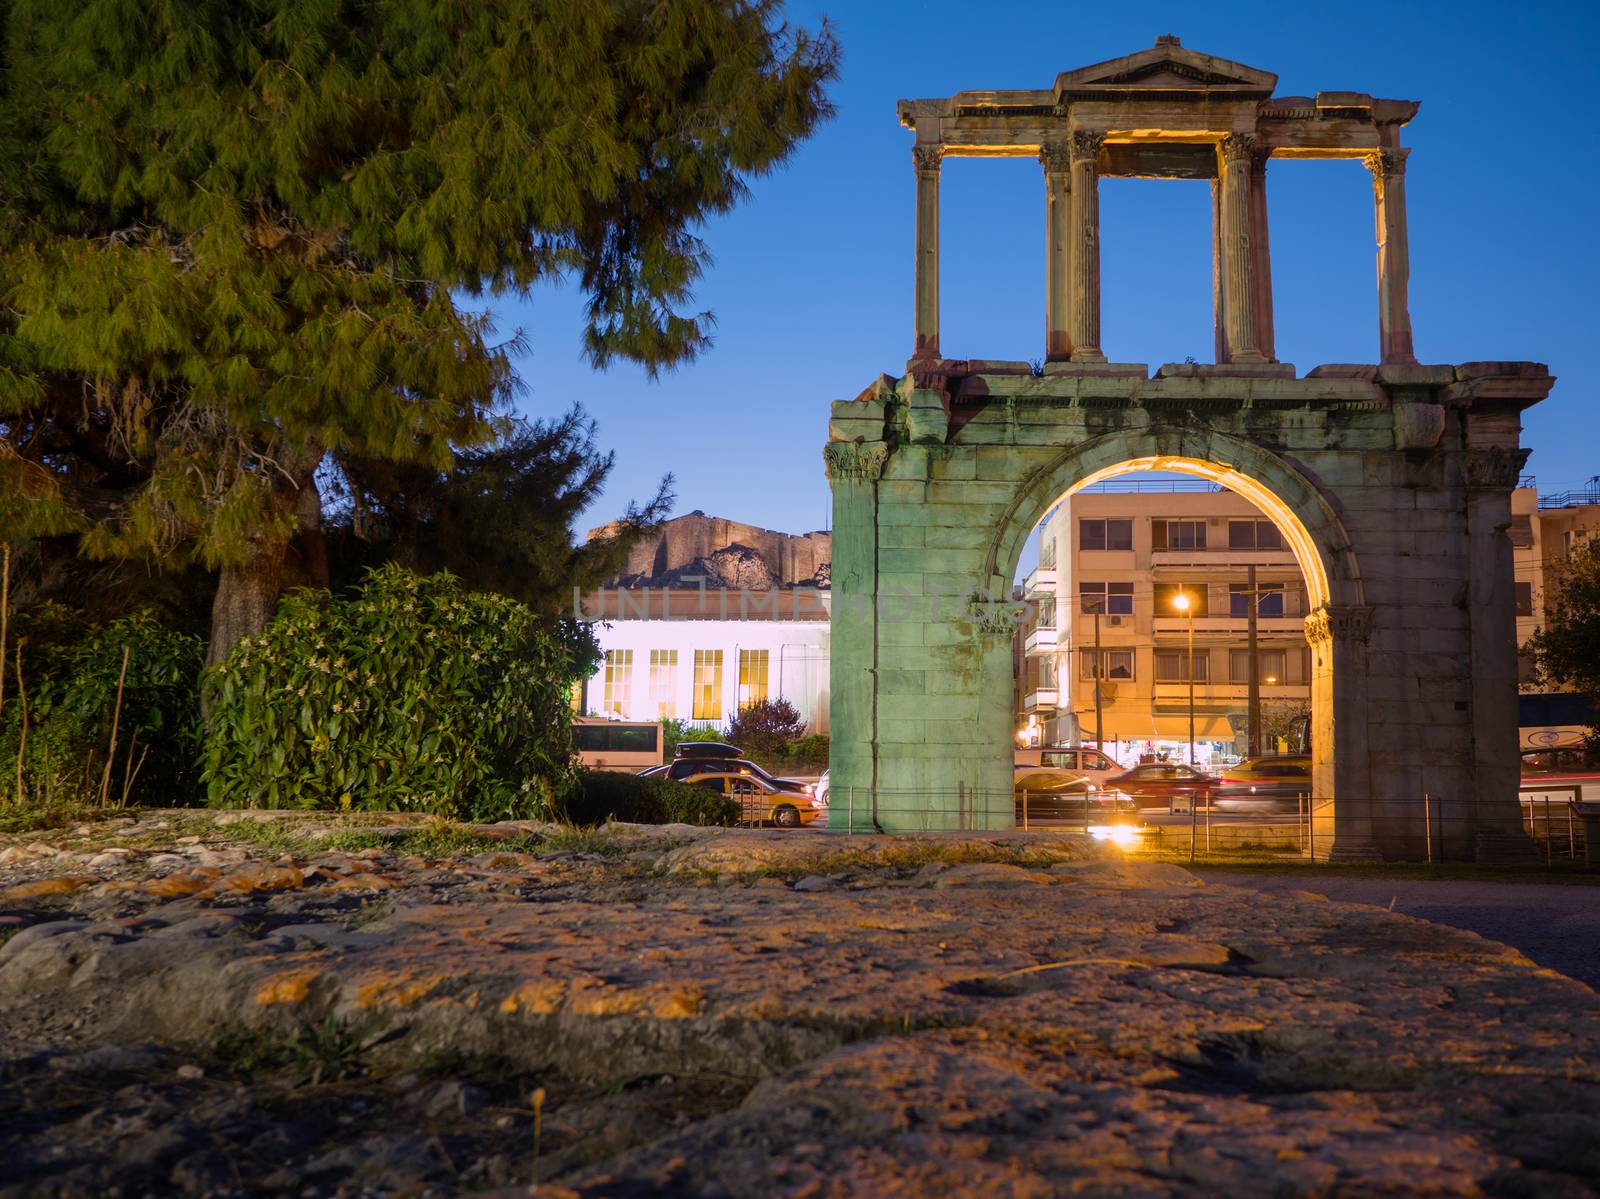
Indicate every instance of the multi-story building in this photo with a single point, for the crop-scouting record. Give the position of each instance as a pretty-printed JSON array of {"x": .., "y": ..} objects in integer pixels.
[
  {"x": 1545, "y": 530},
  {"x": 1103, "y": 607},
  {"x": 700, "y": 655}
]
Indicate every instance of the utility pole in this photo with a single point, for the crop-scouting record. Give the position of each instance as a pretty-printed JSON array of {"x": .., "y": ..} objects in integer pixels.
[
  {"x": 1098, "y": 662},
  {"x": 1253, "y": 694}
]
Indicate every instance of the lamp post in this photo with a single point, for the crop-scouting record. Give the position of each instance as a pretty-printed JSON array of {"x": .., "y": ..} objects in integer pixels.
[{"x": 1182, "y": 604}]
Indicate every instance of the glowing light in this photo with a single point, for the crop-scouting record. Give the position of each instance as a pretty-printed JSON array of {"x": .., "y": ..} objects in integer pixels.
[
  {"x": 1123, "y": 835},
  {"x": 1181, "y": 601},
  {"x": 1271, "y": 678}
]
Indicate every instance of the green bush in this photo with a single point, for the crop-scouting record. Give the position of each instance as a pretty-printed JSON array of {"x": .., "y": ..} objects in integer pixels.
[
  {"x": 70, "y": 670},
  {"x": 810, "y": 750},
  {"x": 609, "y": 794},
  {"x": 766, "y": 726},
  {"x": 412, "y": 694}
]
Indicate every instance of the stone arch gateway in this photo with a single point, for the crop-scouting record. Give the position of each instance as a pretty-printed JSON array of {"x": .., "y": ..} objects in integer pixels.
[{"x": 1391, "y": 482}]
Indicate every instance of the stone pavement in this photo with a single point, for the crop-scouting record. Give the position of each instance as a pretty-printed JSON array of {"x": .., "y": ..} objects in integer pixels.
[
  {"x": 1556, "y": 925},
  {"x": 270, "y": 1010}
]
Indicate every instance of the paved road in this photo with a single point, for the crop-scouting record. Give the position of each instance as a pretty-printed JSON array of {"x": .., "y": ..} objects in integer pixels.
[{"x": 1555, "y": 925}]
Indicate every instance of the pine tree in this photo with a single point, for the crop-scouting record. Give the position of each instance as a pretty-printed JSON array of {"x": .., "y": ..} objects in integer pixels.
[
  {"x": 501, "y": 518},
  {"x": 240, "y": 236}
]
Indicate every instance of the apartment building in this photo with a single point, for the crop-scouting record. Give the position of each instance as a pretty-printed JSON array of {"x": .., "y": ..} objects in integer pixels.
[
  {"x": 700, "y": 655},
  {"x": 1114, "y": 560},
  {"x": 1545, "y": 529}
]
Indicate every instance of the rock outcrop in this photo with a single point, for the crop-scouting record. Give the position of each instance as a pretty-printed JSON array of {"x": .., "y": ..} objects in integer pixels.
[{"x": 725, "y": 553}]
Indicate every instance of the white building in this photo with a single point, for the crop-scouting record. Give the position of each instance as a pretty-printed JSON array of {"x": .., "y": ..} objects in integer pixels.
[{"x": 698, "y": 656}]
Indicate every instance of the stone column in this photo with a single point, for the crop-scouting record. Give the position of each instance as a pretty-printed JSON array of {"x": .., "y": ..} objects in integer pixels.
[
  {"x": 1058, "y": 250},
  {"x": 1261, "y": 263},
  {"x": 853, "y": 471},
  {"x": 1341, "y": 769},
  {"x": 927, "y": 159},
  {"x": 1238, "y": 253},
  {"x": 1388, "y": 169},
  {"x": 1489, "y": 475},
  {"x": 1084, "y": 150}
]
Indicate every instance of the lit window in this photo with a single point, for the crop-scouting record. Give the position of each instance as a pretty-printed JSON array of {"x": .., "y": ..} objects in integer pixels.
[
  {"x": 618, "y": 676},
  {"x": 1172, "y": 665},
  {"x": 708, "y": 684},
  {"x": 1271, "y": 670},
  {"x": 752, "y": 676},
  {"x": 664, "y": 682},
  {"x": 1116, "y": 664}
]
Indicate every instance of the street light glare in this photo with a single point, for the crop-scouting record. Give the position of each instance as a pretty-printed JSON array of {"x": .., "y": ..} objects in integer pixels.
[{"x": 1181, "y": 601}]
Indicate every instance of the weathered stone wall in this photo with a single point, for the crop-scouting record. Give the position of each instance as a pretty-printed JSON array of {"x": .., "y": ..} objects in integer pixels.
[{"x": 1393, "y": 482}]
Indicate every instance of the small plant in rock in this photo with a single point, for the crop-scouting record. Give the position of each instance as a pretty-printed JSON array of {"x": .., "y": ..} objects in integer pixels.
[{"x": 410, "y": 694}]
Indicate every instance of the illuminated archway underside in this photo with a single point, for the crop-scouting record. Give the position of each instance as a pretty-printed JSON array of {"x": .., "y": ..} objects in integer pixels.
[{"x": 1390, "y": 485}]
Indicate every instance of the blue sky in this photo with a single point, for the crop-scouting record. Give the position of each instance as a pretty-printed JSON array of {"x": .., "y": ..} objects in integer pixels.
[{"x": 812, "y": 281}]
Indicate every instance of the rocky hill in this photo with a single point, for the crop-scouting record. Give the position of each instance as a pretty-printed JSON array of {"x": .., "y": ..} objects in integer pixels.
[{"x": 697, "y": 550}]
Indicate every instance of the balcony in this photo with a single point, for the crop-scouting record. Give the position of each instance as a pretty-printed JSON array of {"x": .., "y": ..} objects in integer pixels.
[
  {"x": 1220, "y": 557},
  {"x": 1178, "y": 626},
  {"x": 1041, "y": 699},
  {"x": 1041, "y": 581},
  {"x": 1039, "y": 640},
  {"x": 1211, "y": 694}
]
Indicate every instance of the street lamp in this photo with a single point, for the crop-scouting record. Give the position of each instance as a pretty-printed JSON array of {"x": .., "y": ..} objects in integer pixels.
[{"x": 1182, "y": 604}]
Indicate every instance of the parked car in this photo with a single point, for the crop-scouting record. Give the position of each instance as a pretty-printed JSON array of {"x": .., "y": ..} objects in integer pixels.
[
  {"x": 706, "y": 756},
  {"x": 819, "y": 792},
  {"x": 1275, "y": 781},
  {"x": 759, "y": 801},
  {"x": 1157, "y": 784},
  {"x": 1065, "y": 795},
  {"x": 1091, "y": 764}
]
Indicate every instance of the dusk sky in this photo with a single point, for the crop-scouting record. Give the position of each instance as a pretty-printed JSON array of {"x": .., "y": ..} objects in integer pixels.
[{"x": 812, "y": 281}]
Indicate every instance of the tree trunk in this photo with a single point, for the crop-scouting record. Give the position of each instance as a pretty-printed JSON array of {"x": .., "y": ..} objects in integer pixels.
[
  {"x": 307, "y": 563},
  {"x": 248, "y": 590},
  {"x": 247, "y": 594}
]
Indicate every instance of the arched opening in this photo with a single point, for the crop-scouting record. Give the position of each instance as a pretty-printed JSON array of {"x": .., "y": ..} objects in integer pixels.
[{"x": 1247, "y": 508}]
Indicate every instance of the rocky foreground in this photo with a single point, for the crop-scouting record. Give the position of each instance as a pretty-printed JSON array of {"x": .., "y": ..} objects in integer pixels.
[{"x": 302, "y": 1007}]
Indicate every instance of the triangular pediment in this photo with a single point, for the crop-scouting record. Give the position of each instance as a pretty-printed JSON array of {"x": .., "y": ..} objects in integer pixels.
[{"x": 1167, "y": 66}]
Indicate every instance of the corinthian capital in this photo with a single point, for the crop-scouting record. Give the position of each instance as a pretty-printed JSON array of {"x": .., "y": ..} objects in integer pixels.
[
  {"x": 1386, "y": 164},
  {"x": 855, "y": 460},
  {"x": 1085, "y": 146},
  {"x": 926, "y": 158},
  {"x": 1237, "y": 149},
  {"x": 1496, "y": 468},
  {"x": 1344, "y": 622},
  {"x": 1055, "y": 157}
]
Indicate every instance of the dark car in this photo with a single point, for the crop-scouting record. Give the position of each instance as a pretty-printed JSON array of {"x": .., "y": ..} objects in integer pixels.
[
  {"x": 1157, "y": 784},
  {"x": 1267, "y": 782},
  {"x": 685, "y": 767},
  {"x": 1049, "y": 794}
]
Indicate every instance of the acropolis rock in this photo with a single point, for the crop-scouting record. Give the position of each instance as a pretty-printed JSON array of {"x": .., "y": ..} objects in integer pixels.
[{"x": 694, "y": 545}]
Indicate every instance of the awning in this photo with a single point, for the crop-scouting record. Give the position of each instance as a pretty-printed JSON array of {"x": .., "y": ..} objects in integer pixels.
[{"x": 1159, "y": 727}]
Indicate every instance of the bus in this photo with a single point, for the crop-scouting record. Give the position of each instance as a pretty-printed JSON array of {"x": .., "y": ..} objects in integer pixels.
[{"x": 622, "y": 745}]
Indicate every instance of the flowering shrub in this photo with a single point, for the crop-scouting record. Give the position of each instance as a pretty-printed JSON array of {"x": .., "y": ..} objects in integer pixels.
[{"x": 411, "y": 694}]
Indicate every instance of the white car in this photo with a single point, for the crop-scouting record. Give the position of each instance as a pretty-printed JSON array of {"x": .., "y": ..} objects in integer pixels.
[
  {"x": 1092, "y": 764},
  {"x": 819, "y": 792}
]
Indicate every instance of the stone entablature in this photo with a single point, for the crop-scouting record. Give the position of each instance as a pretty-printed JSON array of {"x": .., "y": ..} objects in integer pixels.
[{"x": 1166, "y": 113}]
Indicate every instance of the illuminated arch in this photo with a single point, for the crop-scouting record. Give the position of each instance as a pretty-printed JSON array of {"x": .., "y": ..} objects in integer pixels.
[{"x": 1284, "y": 495}]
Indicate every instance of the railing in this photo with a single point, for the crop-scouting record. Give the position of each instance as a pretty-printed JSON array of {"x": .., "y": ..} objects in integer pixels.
[
  {"x": 1426, "y": 828},
  {"x": 1570, "y": 499},
  {"x": 1152, "y": 486}
]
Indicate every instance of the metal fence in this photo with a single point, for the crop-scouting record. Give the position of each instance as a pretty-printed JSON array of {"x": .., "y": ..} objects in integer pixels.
[{"x": 1427, "y": 828}]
